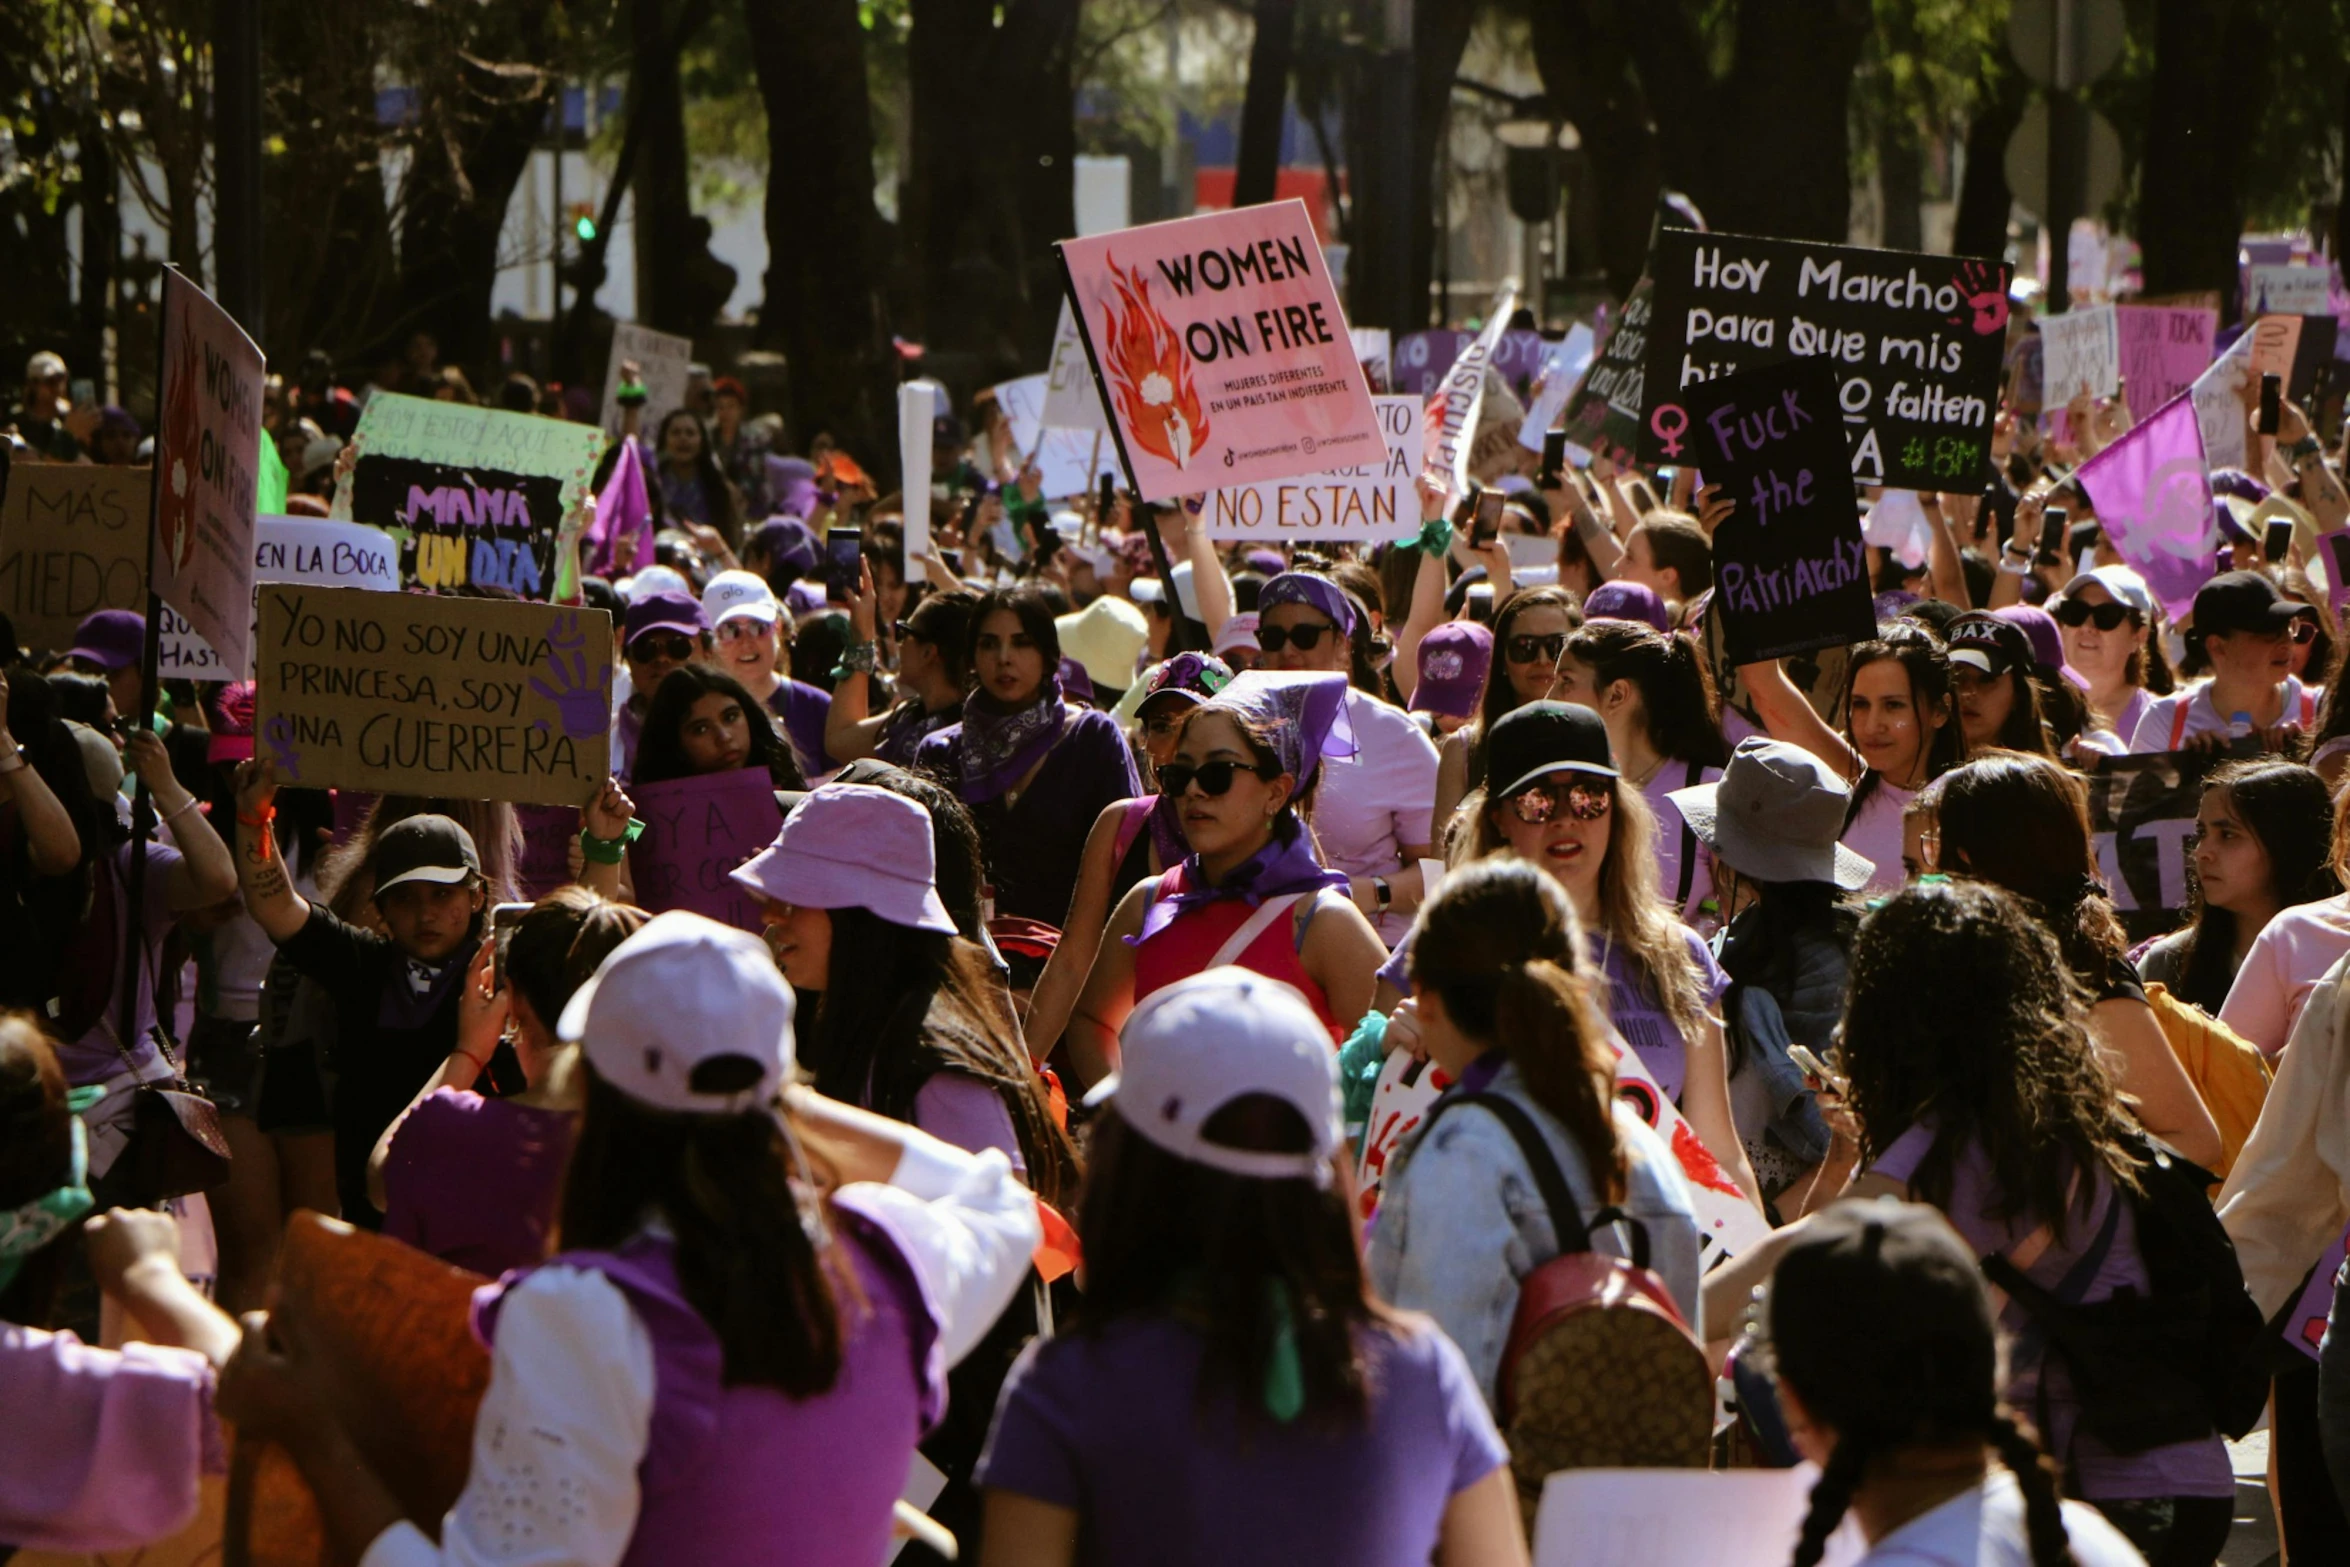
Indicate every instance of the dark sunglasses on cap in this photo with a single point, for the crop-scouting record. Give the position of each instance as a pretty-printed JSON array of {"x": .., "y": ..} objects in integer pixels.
[
  {"x": 1586, "y": 800},
  {"x": 661, "y": 644},
  {"x": 1213, "y": 778},
  {"x": 1306, "y": 637},
  {"x": 1526, "y": 648},
  {"x": 2106, "y": 617}
]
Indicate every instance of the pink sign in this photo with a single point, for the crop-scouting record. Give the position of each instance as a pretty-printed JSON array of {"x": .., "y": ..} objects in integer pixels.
[
  {"x": 2164, "y": 348},
  {"x": 208, "y": 430},
  {"x": 697, "y": 830},
  {"x": 1222, "y": 351}
]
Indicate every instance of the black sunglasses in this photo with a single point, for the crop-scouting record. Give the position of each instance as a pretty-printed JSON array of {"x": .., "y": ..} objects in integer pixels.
[
  {"x": 1307, "y": 637},
  {"x": 1213, "y": 778},
  {"x": 1526, "y": 648},
  {"x": 2107, "y": 616},
  {"x": 670, "y": 646},
  {"x": 902, "y": 629}
]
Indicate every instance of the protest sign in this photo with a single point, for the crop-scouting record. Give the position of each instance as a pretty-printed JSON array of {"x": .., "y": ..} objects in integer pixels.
[
  {"x": 2163, "y": 350},
  {"x": 207, "y": 434},
  {"x": 2220, "y": 407},
  {"x": 407, "y": 693},
  {"x": 696, "y": 831},
  {"x": 474, "y": 496},
  {"x": 1897, "y": 522},
  {"x": 1603, "y": 415},
  {"x": 1221, "y": 350},
  {"x": 1070, "y": 401},
  {"x": 1422, "y": 358},
  {"x": 1916, "y": 342},
  {"x": 285, "y": 549},
  {"x": 1562, "y": 372},
  {"x": 1790, "y": 572},
  {"x": 1068, "y": 462},
  {"x": 2081, "y": 356},
  {"x": 2153, "y": 500},
  {"x": 1450, "y": 418},
  {"x": 1679, "y": 1518},
  {"x": 550, "y": 834},
  {"x": 2142, "y": 814},
  {"x": 1407, "y": 1086},
  {"x": 2289, "y": 291},
  {"x": 918, "y": 403},
  {"x": 663, "y": 361},
  {"x": 1727, "y": 1222},
  {"x": 73, "y": 539},
  {"x": 1373, "y": 501},
  {"x": 1374, "y": 349}
]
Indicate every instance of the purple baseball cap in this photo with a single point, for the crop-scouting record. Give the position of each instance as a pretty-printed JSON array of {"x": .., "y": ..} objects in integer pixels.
[
  {"x": 853, "y": 846},
  {"x": 787, "y": 542},
  {"x": 110, "y": 638},
  {"x": 1635, "y": 601},
  {"x": 2040, "y": 630},
  {"x": 663, "y": 612},
  {"x": 1454, "y": 659},
  {"x": 792, "y": 481}
]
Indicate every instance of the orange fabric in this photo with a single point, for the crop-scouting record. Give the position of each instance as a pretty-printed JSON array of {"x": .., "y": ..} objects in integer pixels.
[
  {"x": 1058, "y": 1252},
  {"x": 2227, "y": 1069}
]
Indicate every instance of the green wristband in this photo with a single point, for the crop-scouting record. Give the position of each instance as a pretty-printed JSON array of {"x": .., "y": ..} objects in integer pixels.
[
  {"x": 1436, "y": 537},
  {"x": 610, "y": 851}
]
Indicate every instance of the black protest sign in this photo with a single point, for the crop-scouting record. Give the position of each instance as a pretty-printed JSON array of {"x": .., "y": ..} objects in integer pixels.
[
  {"x": 1916, "y": 343},
  {"x": 2142, "y": 815},
  {"x": 1603, "y": 415},
  {"x": 1790, "y": 570},
  {"x": 73, "y": 538}
]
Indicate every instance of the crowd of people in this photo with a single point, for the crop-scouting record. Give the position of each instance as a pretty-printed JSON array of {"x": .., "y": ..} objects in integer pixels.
[{"x": 1797, "y": 1081}]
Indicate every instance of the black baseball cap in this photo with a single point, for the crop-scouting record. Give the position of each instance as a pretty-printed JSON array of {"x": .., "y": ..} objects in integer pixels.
[
  {"x": 424, "y": 848},
  {"x": 2242, "y": 601},
  {"x": 1983, "y": 641},
  {"x": 1545, "y": 737}
]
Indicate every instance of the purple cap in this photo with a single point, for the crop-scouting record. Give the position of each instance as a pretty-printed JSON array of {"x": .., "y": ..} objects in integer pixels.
[
  {"x": 663, "y": 612},
  {"x": 1267, "y": 561},
  {"x": 852, "y": 846},
  {"x": 1075, "y": 681},
  {"x": 804, "y": 597},
  {"x": 110, "y": 638},
  {"x": 2040, "y": 630},
  {"x": 1305, "y": 587},
  {"x": 1454, "y": 659},
  {"x": 1635, "y": 601},
  {"x": 792, "y": 481},
  {"x": 787, "y": 541},
  {"x": 1192, "y": 677}
]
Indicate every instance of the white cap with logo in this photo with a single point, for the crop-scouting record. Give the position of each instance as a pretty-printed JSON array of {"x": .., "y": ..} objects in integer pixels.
[
  {"x": 681, "y": 991},
  {"x": 735, "y": 594}
]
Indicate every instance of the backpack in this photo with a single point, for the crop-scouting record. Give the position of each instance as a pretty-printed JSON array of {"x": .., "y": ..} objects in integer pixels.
[
  {"x": 2227, "y": 1069},
  {"x": 2177, "y": 1363},
  {"x": 1599, "y": 1370}
]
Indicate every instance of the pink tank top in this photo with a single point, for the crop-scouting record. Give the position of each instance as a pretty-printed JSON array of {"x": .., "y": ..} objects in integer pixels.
[{"x": 1185, "y": 947}]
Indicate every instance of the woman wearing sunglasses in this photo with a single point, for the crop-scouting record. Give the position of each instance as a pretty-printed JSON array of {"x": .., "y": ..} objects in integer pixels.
[
  {"x": 2246, "y": 629},
  {"x": 1373, "y": 819},
  {"x": 1530, "y": 630},
  {"x": 752, "y": 640},
  {"x": 1250, "y": 891},
  {"x": 2106, "y": 618}
]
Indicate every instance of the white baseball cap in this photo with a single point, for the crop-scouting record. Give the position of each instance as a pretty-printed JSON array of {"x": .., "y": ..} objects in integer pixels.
[
  {"x": 1194, "y": 1047},
  {"x": 652, "y": 580},
  {"x": 681, "y": 991},
  {"x": 732, "y": 595}
]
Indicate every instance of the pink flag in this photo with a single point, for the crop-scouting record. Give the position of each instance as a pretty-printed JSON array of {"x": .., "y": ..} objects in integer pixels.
[
  {"x": 2153, "y": 499},
  {"x": 623, "y": 512}
]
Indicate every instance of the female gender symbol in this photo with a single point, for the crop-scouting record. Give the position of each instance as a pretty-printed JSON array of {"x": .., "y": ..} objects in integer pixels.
[{"x": 1670, "y": 434}]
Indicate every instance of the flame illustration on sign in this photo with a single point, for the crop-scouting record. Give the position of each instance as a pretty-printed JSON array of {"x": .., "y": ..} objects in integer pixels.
[
  {"x": 175, "y": 517},
  {"x": 1151, "y": 373}
]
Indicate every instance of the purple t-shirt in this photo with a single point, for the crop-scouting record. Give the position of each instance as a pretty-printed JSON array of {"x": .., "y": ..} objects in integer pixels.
[
  {"x": 1109, "y": 1427},
  {"x": 93, "y": 1058},
  {"x": 804, "y": 709},
  {"x": 963, "y": 1110},
  {"x": 1034, "y": 846},
  {"x": 2196, "y": 1468},
  {"x": 476, "y": 1181}
]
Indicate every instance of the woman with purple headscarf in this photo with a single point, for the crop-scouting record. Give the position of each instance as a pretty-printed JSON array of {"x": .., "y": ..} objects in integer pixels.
[{"x": 1252, "y": 890}]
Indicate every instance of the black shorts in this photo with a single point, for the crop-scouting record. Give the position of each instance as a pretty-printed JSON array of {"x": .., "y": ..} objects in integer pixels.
[
  {"x": 224, "y": 1060},
  {"x": 292, "y": 1095}
]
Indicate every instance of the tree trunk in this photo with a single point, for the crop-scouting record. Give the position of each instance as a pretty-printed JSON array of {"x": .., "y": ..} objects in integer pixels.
[
  {"x": 1900, "y": 185},
  {"x": 1440, "y": 34},
  {"x": 666, "y": 247},
  {"x": 328, "y": 264},
  {"x": 1980, "y": 226},
  {"x": 1261, "y": 109},
  {"x": 2210, "y": 60},
  {"x": 1781, "y": 161},
  {"x": 823, "y": 305},
  {"x": 1036, "y": 64},
  {"x": 1587, "y": 76}
]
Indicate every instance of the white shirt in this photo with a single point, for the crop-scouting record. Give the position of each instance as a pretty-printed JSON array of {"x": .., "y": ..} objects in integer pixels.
[
  {"x": 1875, "y": 835},
  {"x": 1984, "y": 1527},
  {"x": 569, "y": 1409},
  {"x": 1370, "y": 804},
  {"x": 2153, "y": 733}
]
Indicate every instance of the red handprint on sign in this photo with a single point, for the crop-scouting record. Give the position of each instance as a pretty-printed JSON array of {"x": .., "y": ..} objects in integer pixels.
[{"x": 1984, "y": 290}]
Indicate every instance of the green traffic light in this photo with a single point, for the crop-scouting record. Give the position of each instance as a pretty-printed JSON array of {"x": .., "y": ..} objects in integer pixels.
[{"x": 585, "y": 228}]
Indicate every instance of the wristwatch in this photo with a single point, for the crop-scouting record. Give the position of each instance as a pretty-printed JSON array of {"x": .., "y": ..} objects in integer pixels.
[{"x": 1383, "y": 892}]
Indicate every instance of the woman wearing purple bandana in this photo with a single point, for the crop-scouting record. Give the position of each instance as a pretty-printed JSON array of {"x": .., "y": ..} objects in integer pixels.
[
  {"x": 1035, "y": 770},
  {"x": 1251, "y": 892}
]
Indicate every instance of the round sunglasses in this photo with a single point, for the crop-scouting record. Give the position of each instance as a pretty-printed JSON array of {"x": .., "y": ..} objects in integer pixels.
[
  {"x": 1585, "y": 801},
  {"x": 1526, "y": 648},
  {"x": 1306, "y": 638},
  {"x": 2105, "y": 617},
  {"x": 1213, "y": 778},
  {"x": 676, "y": 648}
]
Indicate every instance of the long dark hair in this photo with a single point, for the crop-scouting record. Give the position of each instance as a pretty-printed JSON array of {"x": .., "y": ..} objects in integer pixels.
[
  {"x": 1676, "y": 699},
  {"x": 1500, "y": 699},
  {"x": 1036, "y": 622},
  {"x": 36, "y": 1156},
  {"x": 1962, "y": 1013},
  {"x": 660, "y": 749},
  {"x": 1763, "y": 945},
  {"x": 557, "y": 946},
  {"x": 1498, "y": 944},
  {"x": 1922, "y": 659},
  {"x": 1160, "y": 1231},
  {"x": 901, "y": 1005},
  {"x": 717, "y": 494},
  {"x": 2024, "y": 728},
  {"x": 2022, "y": 822},
  {"x": 2290, "y": 813},
  {"x": 722, "y": 1185}
]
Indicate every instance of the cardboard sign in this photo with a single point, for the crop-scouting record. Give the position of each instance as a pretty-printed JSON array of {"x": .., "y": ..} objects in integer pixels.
[
  {"x": 1790, "y": 570},
  {"x": 2082, "y": 356},
  {"x": 1221, "y": 349},
  {"x": 1068, "y": 462},
  {"x": 1603, "y": 414},
  {"x": 1423, "y": 358},
  {"x": 1375, "y": 501},
  {"x": 2220, "y": 411},
  {"x": 1452, "y": 414},
  {"x": 917, "y": 412},
  {"x": 1070, "y": 401},
  {"x": 475, "y": 496},
  {"x": 1562, "y": 372},
  {"x": 285, "y": 549},
  {"x": 2153, "y": 500},
  {"x": 2142, "y": 814},
  {"x": 73, "y": 539},
  {"x": 696, "y": 831},
  {"x": 207, "y": 441},
  {"x": 2163, "y": 350},
  {"x": 1916, "y": 342},
  {"x": 1680, "y": 1518},
  {"x": 664, "y": 364},
  {"x": 2289, "y": 291},
  {"x": 406, "y": 693}
]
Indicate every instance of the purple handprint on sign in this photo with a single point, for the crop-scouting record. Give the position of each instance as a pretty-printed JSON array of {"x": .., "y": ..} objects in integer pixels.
[
  {"x": 278, "y": 735},
  {"x": 1979, "y": 286},
  {"x": 583, "y": 705}
]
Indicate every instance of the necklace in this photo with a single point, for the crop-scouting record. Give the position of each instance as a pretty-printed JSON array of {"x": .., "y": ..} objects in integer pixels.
[{"x": 1654, "y": 768}]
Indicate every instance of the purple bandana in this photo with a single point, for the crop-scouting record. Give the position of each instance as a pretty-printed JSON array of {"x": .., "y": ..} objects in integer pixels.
[
  {"x": 1274, "y": 871},
  {"x": 1306, "y": 714},
  {"x": 996, "y": 748}
]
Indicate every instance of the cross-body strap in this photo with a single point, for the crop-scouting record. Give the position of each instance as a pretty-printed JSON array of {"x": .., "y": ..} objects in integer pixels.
[
  {"x": 1690, "y": 780},
  {"x": 1566, "y": 1214},
  {"x": 1251, "y": 928}
]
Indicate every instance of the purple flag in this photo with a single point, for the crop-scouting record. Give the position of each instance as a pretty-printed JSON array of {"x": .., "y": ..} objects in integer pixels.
[
  {"x": 623, "y": 511},
  {"x": 2153, "y": 499}
]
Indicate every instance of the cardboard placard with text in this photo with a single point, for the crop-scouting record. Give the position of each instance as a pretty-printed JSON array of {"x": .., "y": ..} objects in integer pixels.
[
  {"x": 2082, "y": 356},
  {"x": 1916, "y": 342},
  {"x": 1070, "y": 401},
  {"x": 1221, "y": 350},
  {"x": 1790, "y": 568},
  {"x": 408, "y": 693},
  {"x": 1068, "y": 462},
  {"x": 1603, "y": 414},
  {"x": 696, "y": 831},
  {"x": 663, "y": 362},
  {"x": 315, "y": 550},
  {"x": 73, "y": 538},
  {"x": 2163, "y": 349},
  {"x": 207, "y": 445},
  {"x": 1374, "y": 501}
]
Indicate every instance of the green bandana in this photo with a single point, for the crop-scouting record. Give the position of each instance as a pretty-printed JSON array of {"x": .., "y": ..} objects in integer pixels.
[{"x": 33, "y": 1225}]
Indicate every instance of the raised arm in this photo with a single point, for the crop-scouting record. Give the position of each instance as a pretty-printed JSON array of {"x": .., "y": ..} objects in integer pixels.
[
  {"x": 1787, "y": 716},
  {"x": 1942, "y": 563},
  {"x": 851, "y": 731},
  {"x": 270, "y": 897},
  {"x": 50, "y": 839},
  {"x": 204, "y": 875}
]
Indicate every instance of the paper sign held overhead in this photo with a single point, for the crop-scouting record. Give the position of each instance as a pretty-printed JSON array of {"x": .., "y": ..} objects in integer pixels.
[
  {"x": 73, "y": 539},
  {"x": 285, "y": 549},
  {"x": 207, "y": 435},
  {"x": 1374, "y": 501},
  {"x": 408, "y": 693},
  {"x": 2288, "y": 291},
  {"x": 917, "y": 413},
  {"x": 1221, "y": 350},
  {"x": 1562, "y": 372},
  {"x": 664, "y": 364},
  {"x": 1915, "y": 341},
  {"x": 1603, "y": 414},
  {"x": 1453, "y": 412},
  {"x": 696, "y": 831},
  {"x": 1067, "y": 461},
  {"x": 1070, "y": 402},
  {"x": 2163, "y": 349},
  {"x": 2082, "y": 356}
]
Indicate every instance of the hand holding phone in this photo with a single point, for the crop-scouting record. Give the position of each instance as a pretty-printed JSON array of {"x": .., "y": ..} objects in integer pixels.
[
  {"x": 2272, "y": 393},
  {"x": 1487, "y": 525},
  {"x": 843, "y": 563},
  {"x": 1814, "y": 1067},
  {"x": 503, "y": 918},
  {"x": 1554, "y": 459}
]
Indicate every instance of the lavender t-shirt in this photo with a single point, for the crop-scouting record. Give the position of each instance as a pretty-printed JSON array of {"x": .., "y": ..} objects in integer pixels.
[
  {"x": 1110, "y": 1426},
  {"x": 1642, "y": 1020},
  {"x": 2196, "y": 1468},
  {"x": 475, "y": 1181}
]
